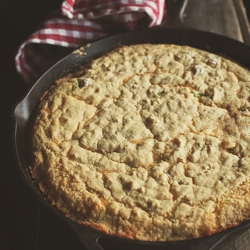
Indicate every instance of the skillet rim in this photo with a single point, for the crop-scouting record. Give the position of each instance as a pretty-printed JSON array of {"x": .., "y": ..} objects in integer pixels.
[{"x": 24, "y": 108}]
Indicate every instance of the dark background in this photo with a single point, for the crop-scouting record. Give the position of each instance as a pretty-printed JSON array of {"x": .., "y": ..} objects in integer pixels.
[
  {"x": 247, "y": 5},
  {"x": 18, "y": 209},
  {"x": 18, "y": 19}
]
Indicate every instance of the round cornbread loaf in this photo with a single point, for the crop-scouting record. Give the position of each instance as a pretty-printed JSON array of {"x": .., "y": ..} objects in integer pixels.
[{"x": 147, "y": 142}]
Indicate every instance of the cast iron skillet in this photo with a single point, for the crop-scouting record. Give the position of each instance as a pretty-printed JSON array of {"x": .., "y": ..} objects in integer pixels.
[{"x": 23, "y": 111}]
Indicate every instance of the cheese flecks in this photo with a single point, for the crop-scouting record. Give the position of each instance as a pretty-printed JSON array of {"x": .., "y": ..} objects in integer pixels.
[{"x": 148, "y": 142}]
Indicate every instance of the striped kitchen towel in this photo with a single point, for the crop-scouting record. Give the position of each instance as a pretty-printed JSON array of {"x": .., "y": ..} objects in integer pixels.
[{"x": 79, "y": 22}]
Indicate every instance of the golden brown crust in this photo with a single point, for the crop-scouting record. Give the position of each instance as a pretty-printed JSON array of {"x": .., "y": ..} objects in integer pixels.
[{"x": 150, "y": 142}]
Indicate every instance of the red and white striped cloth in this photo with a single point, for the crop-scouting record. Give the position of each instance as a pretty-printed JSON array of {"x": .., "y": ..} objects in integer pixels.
[{"x": 80, "y": 22}]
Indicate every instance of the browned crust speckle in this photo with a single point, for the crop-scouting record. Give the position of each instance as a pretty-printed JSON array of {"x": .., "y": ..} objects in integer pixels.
[{"x": 149, "y": 142}]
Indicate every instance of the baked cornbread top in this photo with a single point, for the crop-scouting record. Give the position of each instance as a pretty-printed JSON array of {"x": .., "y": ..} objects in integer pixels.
[{"x": 148, "y": 142}]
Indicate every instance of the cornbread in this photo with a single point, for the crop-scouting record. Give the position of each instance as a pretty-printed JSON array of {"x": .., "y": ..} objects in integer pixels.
[{"x": 147, "y": 142}]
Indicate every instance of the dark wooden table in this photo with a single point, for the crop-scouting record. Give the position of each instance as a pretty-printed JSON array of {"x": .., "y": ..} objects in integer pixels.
[{"x": 24, "y": 222}]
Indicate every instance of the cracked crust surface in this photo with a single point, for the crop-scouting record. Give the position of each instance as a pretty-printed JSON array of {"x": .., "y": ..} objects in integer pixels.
[{"x": 148, "y": 142}]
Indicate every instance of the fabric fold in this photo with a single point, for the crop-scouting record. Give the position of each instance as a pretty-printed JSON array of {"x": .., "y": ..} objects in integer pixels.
[{"x": 80, "y": 22}]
